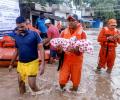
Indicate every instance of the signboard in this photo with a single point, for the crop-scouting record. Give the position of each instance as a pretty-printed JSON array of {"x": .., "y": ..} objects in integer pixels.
[{"x": 9, "y": 11}]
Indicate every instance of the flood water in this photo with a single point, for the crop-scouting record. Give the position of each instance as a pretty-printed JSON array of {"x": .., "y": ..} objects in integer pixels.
[{"x": 93, "y": 86}]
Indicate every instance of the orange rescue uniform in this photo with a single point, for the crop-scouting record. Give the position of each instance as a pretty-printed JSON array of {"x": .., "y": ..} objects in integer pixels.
[
  {"x": 29, "y": 26},
  {"x": 72, "y": 64},
  {"x": 107, "y": 52}
]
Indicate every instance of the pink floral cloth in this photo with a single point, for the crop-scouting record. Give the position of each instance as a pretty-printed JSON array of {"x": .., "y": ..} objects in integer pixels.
[{"x": 84, "y": 44}]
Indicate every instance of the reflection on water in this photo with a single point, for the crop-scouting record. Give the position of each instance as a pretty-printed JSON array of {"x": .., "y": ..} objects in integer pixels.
[{"x": 103, "y": 88}]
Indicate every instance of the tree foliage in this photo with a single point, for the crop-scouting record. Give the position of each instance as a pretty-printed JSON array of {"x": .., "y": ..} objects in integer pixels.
[
  {"x": 104, "y": 9},
  {"x": 77, "y": 3},
  {"x": 101, "y": 7}
]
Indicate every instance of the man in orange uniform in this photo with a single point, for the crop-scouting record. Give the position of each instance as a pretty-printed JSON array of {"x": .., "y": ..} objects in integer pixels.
[
  {"x": 73, "y": 59},
  {"x": 108, "y": 38},
  {"x": 30, "y": 27}
]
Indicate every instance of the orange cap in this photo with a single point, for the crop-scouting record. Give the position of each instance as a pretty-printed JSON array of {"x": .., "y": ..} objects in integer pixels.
[{"x": 112, "y": 22}]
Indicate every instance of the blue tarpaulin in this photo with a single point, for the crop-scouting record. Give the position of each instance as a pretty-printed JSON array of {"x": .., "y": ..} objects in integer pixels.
[{"x": 97, "y": 23}]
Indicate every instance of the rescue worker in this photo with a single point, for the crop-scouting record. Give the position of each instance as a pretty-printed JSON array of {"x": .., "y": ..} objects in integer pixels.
[
  {"x": 73, "y": 59},
  {"x": 30, "y": 27},
  {"x": 108, "y": 38}
]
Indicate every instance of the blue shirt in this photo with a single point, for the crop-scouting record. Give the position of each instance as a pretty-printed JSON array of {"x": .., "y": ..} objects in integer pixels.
[
  {"x": 41, "y": 25},
  {"x": 27, "y": 45}
]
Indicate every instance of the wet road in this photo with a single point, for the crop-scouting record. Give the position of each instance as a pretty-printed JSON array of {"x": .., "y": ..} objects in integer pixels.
[{"x": 93, "y": 86}]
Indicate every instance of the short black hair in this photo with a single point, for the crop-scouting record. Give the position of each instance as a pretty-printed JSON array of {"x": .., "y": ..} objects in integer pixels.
[{"x": 20, "y": 20}]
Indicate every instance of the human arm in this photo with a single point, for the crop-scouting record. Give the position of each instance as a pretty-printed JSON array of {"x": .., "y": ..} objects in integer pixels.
[
  {"x": 13, "y": 59},
  {"x": 42, "y": 53},
  {"x": 117, "y": 37},
  {"x": 101, "y": 36},
  {"x": 49, "y": 37}
]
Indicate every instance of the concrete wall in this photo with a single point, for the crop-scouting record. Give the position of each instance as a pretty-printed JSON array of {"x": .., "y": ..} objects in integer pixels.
[
  {"x": 77, "y": 12},
  {"x": 60, "y": 14}
]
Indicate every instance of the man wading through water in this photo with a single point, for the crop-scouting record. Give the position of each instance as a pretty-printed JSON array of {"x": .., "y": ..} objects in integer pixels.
[
  {"x": 72, "y": 60},
  {"x": 27, "y": 45},
  {"x": 109, "y": 37}
]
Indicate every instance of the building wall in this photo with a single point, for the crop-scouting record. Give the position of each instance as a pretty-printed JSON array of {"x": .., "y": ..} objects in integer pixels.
[
  {"x": 61, "y": 14},
  {"x": 87, "y": 12},
  {"x": 77, "y": 12}
]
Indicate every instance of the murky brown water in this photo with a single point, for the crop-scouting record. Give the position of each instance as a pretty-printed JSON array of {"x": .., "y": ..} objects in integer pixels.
[{"x": 93, "y": 86}]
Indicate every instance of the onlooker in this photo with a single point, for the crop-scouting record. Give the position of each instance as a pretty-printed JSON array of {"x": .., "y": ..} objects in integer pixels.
[
  {"x": 40, "y": 24},
  {"x": 52, "y": 32}
]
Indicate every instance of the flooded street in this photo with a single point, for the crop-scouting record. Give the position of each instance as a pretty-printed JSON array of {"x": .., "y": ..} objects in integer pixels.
[{"x": 93, "y": 86}]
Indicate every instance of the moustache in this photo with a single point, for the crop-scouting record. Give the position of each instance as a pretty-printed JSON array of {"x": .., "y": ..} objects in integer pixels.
[{"x": 19, "y": 30}]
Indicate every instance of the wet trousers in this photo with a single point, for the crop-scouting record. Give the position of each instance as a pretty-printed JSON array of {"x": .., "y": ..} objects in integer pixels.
[
  {"x": 70, "y": 71},
  {"x": 107, "y": 57}
]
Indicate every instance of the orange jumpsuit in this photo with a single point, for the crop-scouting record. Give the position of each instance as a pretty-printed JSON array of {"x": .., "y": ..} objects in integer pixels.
[
  {"x": 107, "y": 52},
  {"x": 29, "y": 26},
  {"x": 72, "y": 64}
]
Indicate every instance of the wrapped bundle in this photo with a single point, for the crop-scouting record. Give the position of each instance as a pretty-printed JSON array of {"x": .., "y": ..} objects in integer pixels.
[{"x": 84, "y": 45}]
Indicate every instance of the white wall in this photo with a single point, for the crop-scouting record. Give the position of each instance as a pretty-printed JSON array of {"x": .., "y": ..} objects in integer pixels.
[
  {"x": 9, "y": 11},
  {"x": 61, "y": 14}
]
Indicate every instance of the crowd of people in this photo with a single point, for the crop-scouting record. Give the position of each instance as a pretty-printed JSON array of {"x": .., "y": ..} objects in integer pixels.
[{"x": 29, "y": 39}]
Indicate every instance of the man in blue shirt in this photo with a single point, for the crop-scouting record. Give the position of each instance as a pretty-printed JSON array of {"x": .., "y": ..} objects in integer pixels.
[
  {"x": 40, "y": 24},
  {"x": 27, "y": 45}
]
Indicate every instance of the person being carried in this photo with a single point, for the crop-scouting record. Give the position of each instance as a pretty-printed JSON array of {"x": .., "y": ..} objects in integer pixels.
[{"x": 27, "y": 45}]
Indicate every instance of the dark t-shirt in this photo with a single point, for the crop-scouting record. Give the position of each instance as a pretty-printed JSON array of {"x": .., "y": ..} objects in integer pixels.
[{"x": 27, "y": 45}]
